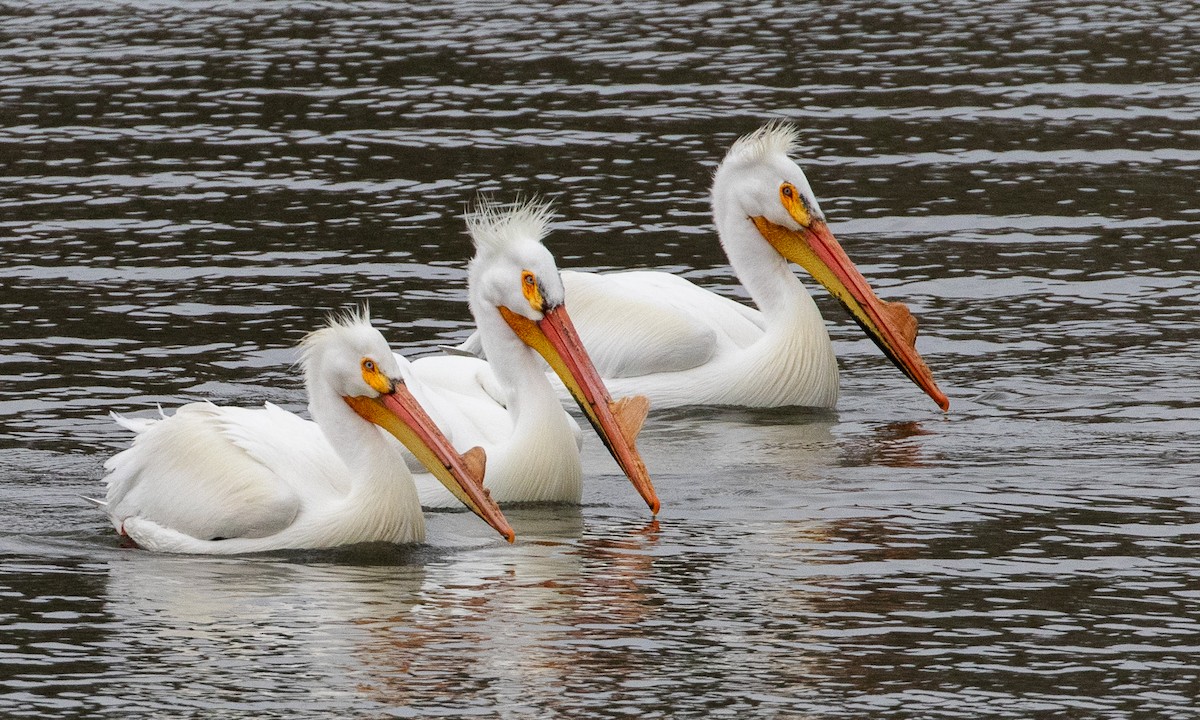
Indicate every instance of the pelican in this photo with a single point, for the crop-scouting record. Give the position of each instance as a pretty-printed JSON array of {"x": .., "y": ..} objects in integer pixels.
[
  {"x": 225, "y": 480},
  {"x": 507, "y": 404},
  {"x": 656, "y": 334}
]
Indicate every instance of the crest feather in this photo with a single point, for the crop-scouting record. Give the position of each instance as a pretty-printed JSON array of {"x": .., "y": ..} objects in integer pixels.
[
  {"x": 777, "y": 137},
  {"x": 495, "y": 226},
  {"x": 336, "y": 322}
]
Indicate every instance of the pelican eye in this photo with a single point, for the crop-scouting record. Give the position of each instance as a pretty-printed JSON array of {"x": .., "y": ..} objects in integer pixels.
[
  {"x": 795, "y": 204},
  {"x": 532, "y": 291},
  {"x": 374, "y": 377}
]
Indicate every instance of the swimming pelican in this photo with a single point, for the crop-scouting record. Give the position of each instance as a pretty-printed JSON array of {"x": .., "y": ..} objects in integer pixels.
[
  {"x": 656, "y": 334},
  {"x": 223, "y": 480},
  {"x": 507, "y": 404}
]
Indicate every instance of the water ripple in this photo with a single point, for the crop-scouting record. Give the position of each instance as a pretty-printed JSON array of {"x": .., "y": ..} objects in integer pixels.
[{"x": 187, "y": 188}]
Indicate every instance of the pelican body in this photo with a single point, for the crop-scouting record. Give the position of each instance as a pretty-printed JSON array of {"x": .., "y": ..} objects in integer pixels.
[
  {"x": 659, "y": 335},
  {"x": 507, "y": 404},
  {"x": 224, "y": 480}
]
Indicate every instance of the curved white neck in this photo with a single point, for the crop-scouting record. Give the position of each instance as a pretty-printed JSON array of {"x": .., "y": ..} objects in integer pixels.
[
  {"x": 519, "y": 370},
  {"x": 540, "y": 459},
  {"x": 375, "y": 462},
  {"x": 766, "y": 274},
  {"x": 795, "y": 351}
]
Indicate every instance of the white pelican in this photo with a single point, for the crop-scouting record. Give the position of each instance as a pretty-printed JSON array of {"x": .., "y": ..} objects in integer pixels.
[
  {"x": 658, "y": 335},
  {"x": 507, "y": 404},
  {"x": 224, "y": 480}
]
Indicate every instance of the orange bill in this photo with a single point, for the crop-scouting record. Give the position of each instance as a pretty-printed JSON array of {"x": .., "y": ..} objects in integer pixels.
[
  {"x": 889, "y": 324},
  {"x": 399, "y": 413},
  {"x": 616, "y": 422}
]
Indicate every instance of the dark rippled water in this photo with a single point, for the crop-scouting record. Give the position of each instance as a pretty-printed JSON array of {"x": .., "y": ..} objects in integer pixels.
[{"x": 185, "y": 188}]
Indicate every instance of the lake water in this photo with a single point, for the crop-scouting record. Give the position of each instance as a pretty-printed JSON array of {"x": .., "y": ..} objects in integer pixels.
[{"x": 186, "y": 188}]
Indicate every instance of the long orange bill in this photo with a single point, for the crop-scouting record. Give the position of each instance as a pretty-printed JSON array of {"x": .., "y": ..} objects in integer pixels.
[
  {"x": 616, "y": 422},
  {"x": 401, "y": 415},
  {"x": 889, "y": 324}
]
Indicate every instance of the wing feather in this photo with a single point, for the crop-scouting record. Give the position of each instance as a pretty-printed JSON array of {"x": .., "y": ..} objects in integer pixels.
[
  {"x": 464, "y": 398},
  {"x": 643, "y": 322},
  {"x": 214, "y": 472}
]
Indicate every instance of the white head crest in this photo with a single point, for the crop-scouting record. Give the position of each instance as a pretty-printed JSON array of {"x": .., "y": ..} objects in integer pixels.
[
  {"x": 777, "y": 137},
  {"x": 351, "y": 319},
  {"x": 331, "y": 355},
  {"x": 496, "y": 226}
]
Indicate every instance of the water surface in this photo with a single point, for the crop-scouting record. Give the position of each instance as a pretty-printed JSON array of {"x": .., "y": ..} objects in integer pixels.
[{"x": 186, "y": 188}]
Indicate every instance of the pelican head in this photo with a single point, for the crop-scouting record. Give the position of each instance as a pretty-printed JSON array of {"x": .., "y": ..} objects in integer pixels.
[
  {"x": 512, "y": 269},
  {"x": 349, "y": 356},
  {"x": 758, "y": 181},
  {"x": 351, "y": 359},
  {"x": 759, "y": 178},
  {"x": 515, "y": 275}
]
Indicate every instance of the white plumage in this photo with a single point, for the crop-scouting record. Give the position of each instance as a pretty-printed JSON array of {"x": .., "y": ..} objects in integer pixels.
[
  {"x": 659, "y": 335},
  {"x": 507, "y": 404},
  {"x": 532, "y": 444},
  {"x": 224, "y": 480}
]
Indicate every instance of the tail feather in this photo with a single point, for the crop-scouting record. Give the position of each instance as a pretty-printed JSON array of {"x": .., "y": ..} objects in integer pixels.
[{"x": 133, "y": 424}]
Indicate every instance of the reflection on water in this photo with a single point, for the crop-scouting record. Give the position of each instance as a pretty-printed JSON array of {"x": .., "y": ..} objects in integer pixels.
[
  {"x": 248, "y": 618},
  {"x": 891, "y": 445},
  {"x": 185, "y": 189},
  {"x": 557, "y": 617}
]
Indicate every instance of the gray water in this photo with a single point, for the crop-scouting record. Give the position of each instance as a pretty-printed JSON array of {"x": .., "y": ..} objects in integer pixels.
[{"x": 186, "y": 188}]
